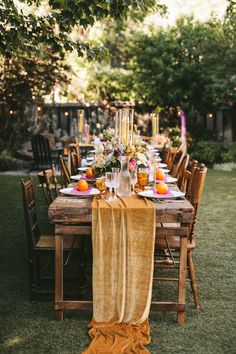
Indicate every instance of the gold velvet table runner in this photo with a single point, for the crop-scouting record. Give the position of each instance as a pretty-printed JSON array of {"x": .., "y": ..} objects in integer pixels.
[{"x": 123, "y": 249}]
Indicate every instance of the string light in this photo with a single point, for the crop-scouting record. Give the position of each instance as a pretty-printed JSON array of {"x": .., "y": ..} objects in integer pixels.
[
  {"x": 11, "y": 112},
  {"x": 39, "y": 109},
  {"x": 66, "y": 114}
]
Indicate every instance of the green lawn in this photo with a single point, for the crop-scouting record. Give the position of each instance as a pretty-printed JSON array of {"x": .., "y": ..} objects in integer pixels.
[{"x": 32, "y": 329}]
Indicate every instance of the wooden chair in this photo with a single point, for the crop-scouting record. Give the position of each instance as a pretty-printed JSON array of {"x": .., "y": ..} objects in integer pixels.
[
  {"x": 177, "y": 160},
  {"x": 65, "y": 174},
  {"x": 38, "y": 244},
  {"x": 48, "y": 182},
  {"x": 75, "y": 158},
  {"x": 41, "y": 151},
  {"x": 181, "y": 169},
  {"x": 194, "y": 182}
]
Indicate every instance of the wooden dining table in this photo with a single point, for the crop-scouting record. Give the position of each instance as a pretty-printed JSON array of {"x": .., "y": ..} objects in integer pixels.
[{"x": 73, "y": 216}]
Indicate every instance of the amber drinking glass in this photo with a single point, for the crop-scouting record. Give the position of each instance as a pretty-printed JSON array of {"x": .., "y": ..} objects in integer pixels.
[
  {"x": 101, "y": 184},
  {"x": 143, "y": 177}
]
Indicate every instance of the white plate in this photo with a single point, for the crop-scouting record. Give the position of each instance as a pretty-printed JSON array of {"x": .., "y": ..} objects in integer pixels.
[
  {"x": 165, "y": 170},
  {"x": 161, "y": 165},
  {"x": 76, "y": 177},
  {"x": 72, "y": 192},
  {"x": 82, "y": 168},
  {"x": 168, "y": 179},
  {"x": 150, "y": 194}
]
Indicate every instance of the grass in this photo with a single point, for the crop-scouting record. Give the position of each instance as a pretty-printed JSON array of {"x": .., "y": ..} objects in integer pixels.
[{"x": 32, "y": 329}]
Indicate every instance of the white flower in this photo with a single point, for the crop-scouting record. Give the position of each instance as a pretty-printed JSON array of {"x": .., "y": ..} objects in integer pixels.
[{"x": 142, "y": 158}]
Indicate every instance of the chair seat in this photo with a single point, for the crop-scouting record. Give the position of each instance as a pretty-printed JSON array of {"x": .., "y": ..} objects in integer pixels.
[
  {"x": 47, "y": 241},
  {"x": 174, "y": 243}
]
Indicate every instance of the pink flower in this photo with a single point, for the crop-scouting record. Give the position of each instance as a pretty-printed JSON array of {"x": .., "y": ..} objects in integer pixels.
[{"x": 132, "y": 165}]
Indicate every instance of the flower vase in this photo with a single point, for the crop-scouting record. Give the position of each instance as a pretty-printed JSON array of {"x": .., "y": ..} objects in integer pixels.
[{"x": 124, "y": 189}]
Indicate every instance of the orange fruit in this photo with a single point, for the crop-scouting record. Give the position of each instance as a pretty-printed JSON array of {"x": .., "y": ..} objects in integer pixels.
[
  {"x": 89, "y": 172},
  {"x": 82, "y": 185},
  {"x": 160, "y": 174},
  {"x": 162, "y": 188}
]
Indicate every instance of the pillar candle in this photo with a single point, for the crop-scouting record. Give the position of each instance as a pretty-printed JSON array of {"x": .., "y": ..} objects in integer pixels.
[
  {"x": 80, "y": 122},
  {"x": 153, "y": 124},
  {"x": 87, "y": 133},
  {"x": 131, "y": 126},
  {"x": 116, "y": 125},
  {"x": 183, "y": 126},
  {"x": 157, "y": 123}
]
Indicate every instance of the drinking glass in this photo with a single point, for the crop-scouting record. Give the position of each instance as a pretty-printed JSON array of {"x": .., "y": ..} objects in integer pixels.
[
  {"x": 101, "y": 185},
  {"x": 109, "y": 184},
  {"x": 134, "y": 180},
  {"x": 143, "y": 178},
  {"x": 115, "y": 172}
]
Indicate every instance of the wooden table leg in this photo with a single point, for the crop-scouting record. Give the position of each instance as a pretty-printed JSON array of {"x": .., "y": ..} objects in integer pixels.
[
  {"x": 58, "y": 276},
  {"x": 182, "y": 278}
]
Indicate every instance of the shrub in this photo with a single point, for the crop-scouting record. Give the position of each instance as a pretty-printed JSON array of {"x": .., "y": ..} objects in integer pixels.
[
  {"x": 9, "y": 163},
  {"x": 210, "y": 152}
]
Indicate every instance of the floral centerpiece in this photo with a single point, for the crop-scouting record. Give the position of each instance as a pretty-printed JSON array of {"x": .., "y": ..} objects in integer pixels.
[
  {"x": 108, "y": 153},
  {"x": 107, "y": 134}
]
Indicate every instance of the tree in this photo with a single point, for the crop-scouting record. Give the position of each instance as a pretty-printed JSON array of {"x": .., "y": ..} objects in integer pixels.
[
  {"x": 191, "y": 65},
  {"x": 26, "y": 29},
  {"x": 23, "y": 82}
]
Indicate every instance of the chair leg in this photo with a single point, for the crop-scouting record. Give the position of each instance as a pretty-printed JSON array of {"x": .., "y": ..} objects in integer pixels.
[
  {"x": 33, "y": 279},
  {"x": 193, "y": 280}
]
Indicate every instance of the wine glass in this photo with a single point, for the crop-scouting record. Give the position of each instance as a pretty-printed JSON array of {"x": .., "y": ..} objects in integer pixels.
[
  {"x": 133, "y": 179},
  {"x": 143, "y": 178},
  {"x": 101, "y": 185},
  {"x": 109, "y": 184},
  {"x": 115, "y": 171}
]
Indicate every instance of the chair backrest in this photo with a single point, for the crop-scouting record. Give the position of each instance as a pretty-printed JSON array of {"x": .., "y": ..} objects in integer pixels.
[
  {"x": 65, "y": 175},
  {"x": 170, "y": 156},
  {"x": 182, "y": 167},
  {"x": 30, "y": 214},
  {"x": 49, "y": 184},
  {"x": 41, "y": 150},
  {"x": 177, "y": 159},
  {"x": 75, "y": 162},
  {"x": 196, "y": 181}
]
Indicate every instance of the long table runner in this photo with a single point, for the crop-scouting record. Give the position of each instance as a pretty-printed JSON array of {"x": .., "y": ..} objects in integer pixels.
[{"x": 123, "y": 248}]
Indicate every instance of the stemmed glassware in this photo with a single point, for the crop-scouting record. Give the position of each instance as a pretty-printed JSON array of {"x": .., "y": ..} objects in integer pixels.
[
  {"x": 115, "y": 180},
  {"x": 101, "y": 185},
  {"x": 109, "y": 184},
  {"x": 134, "y": 179}
]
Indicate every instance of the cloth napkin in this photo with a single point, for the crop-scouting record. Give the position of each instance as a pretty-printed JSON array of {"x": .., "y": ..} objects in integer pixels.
[{"x": 123, "y": 250}]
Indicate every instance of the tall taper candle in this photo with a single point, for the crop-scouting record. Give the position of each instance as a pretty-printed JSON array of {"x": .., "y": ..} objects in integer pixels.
[{"x": 183, "y": 126}]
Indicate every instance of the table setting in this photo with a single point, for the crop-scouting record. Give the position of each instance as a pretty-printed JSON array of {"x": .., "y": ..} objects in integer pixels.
[{"x": 123, "y": 194}]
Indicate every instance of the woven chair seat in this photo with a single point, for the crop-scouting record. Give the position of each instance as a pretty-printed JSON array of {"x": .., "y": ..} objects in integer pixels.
[
  {"x": 47, "y": 241},
  {"x": 174, "y": 242}
]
